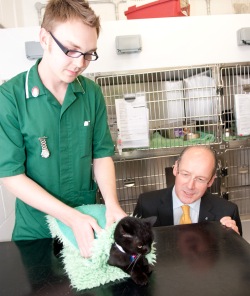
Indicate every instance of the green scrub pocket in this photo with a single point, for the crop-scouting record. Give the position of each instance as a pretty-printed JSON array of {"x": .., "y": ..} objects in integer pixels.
[
  {"x": 85, "y": 144},
  {"x": 85, "y": 197}
]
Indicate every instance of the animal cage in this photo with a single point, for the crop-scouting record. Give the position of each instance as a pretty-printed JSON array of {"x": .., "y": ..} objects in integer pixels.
[
  {"x": 235, "y": 177},
  {"x": 183, "y": 107}
]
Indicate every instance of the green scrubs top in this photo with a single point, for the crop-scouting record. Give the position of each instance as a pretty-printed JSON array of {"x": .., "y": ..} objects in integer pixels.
[{"x": 73, "y": 133}]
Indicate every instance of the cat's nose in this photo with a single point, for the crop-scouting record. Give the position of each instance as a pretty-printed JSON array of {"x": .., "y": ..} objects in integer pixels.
[{"x": 146, "y": 250}]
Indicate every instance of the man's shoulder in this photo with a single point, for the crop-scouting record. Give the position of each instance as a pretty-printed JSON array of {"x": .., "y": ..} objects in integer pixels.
[
  {"x": 14, "y": 82},
  {"x": 215, "y": 199}
]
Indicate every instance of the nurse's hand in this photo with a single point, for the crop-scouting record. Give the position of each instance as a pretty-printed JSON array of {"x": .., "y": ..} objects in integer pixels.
[
  {"x": 114, "y": 213},
  {"x": 229, "y": 222},
  {"x": 83, "y": 227}
]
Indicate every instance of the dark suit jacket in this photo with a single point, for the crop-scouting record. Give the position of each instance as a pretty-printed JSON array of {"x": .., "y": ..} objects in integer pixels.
[{"x": 159, "y": 203}]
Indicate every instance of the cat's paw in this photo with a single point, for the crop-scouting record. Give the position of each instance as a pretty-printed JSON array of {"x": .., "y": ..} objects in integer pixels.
[
  {"x": 140, "y": 279},
  {"x": 148, "y": 269}
]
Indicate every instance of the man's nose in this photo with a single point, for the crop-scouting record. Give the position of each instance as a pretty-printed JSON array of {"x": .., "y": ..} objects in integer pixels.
[
  {"x": 191, "y": 183},
  {"x": 80, "y": 62}
]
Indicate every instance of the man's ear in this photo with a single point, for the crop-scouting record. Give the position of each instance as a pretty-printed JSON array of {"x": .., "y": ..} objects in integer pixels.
[
  {"x": 210, "y": 183},
  {"x": 175, "y": 168},
  {"x": 44, "y": 38}
]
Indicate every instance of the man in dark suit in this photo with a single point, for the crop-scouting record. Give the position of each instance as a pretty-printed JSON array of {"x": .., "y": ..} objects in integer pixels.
[{"x": 194, "y": 171}]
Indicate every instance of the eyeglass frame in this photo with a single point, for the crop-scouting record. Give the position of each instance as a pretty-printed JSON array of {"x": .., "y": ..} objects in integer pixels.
[
  {"x": 66, "y": 51},
  {"x": 196, "y": 179}
]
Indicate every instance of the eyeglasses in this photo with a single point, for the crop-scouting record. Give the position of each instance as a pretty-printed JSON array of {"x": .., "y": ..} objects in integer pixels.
[
  {"x": 88, "y": 56},
  {"x": 187, "y": 176}
]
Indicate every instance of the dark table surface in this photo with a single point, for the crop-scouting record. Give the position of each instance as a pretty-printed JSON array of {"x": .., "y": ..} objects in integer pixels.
[{"x": 204, "y": 259}]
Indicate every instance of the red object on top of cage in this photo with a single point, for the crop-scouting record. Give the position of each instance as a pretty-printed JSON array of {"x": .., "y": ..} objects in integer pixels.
[{"x": 158, "y": 9}]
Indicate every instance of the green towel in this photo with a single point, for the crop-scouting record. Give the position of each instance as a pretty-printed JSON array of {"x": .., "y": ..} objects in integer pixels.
[
  {"x": 158, "y": 141},
  {"x": 87, "y": 273}
]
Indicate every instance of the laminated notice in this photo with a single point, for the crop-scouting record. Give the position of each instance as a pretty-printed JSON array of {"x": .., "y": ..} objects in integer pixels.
[
  {"x": 133, "y": 120},
  {"x": 242, "y": 114}
]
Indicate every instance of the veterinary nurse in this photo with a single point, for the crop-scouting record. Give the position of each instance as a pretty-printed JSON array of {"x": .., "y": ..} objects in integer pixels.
[{"x": 54, "y": 134}]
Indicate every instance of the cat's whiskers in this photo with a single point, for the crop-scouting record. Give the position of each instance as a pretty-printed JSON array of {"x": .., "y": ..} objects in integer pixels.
[{"x": 134, "y": 262}]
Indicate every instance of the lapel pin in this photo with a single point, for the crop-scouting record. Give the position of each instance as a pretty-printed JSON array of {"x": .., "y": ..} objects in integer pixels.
[{"x": 35, "y": 91}]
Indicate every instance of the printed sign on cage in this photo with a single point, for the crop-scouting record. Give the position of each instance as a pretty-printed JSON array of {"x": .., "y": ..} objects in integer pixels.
[{"x": 132, "y": 120}]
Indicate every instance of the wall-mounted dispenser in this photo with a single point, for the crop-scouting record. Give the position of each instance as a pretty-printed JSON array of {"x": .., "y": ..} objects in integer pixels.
[
  {"x": 243, "y": 36},
  {"x": 128, "y": 44},
  {"x": 33, "y": 50}
]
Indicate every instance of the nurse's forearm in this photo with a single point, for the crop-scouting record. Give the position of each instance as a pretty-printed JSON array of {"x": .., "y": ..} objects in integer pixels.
[
  {"x": 34, "y": 195},
  {"x": 105, "y": 176},
  {"x": 104, "y": 171}
]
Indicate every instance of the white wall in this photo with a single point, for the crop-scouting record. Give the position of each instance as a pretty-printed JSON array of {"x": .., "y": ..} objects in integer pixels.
[
  {"x": 13, "y": 13},
  {"x": 202, "y": 7},
  {"x": 166, "y": 42},
  {"x": 10, "y": 15},
  {"x": 171, "y": 42}
]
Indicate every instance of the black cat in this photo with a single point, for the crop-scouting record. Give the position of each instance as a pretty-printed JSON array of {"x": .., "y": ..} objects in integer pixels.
[{"x": 133, "y": 240}]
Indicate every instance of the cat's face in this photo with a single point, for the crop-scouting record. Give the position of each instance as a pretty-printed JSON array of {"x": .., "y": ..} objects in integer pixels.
[{"x": 135, "y": 235}]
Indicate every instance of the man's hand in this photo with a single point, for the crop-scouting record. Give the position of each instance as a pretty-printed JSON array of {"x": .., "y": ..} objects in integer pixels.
[
  {"x": 229, "y": 222},
  {"x": 84, "y": 227},
  {"x": 113, "y": 214}
]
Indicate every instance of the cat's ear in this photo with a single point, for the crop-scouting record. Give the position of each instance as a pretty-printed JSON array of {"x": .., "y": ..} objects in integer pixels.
[
  {"x": 125, "y": 229},
  {"x": 150, "y": 220}
]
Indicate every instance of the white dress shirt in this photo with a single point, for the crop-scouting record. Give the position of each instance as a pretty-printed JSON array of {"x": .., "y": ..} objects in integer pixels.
[{"x": 177, "y": 210}]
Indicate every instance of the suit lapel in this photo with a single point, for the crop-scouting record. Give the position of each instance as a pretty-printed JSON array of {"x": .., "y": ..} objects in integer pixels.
[
  {"x": 206, "y": 210},
  {"x": 165, "y": 210}
]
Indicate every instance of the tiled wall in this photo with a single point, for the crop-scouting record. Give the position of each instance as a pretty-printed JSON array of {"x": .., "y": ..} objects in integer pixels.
[{"x": 7, "y": 216}]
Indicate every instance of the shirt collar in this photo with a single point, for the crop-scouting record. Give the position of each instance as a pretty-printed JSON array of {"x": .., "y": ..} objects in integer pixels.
[
  {"x": 33, "y": 81},
  {"x": 77, "y": 85}
]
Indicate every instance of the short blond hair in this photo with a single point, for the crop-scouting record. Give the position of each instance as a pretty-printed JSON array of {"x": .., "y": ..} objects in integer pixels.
[{"x": 60, "y": 11}]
